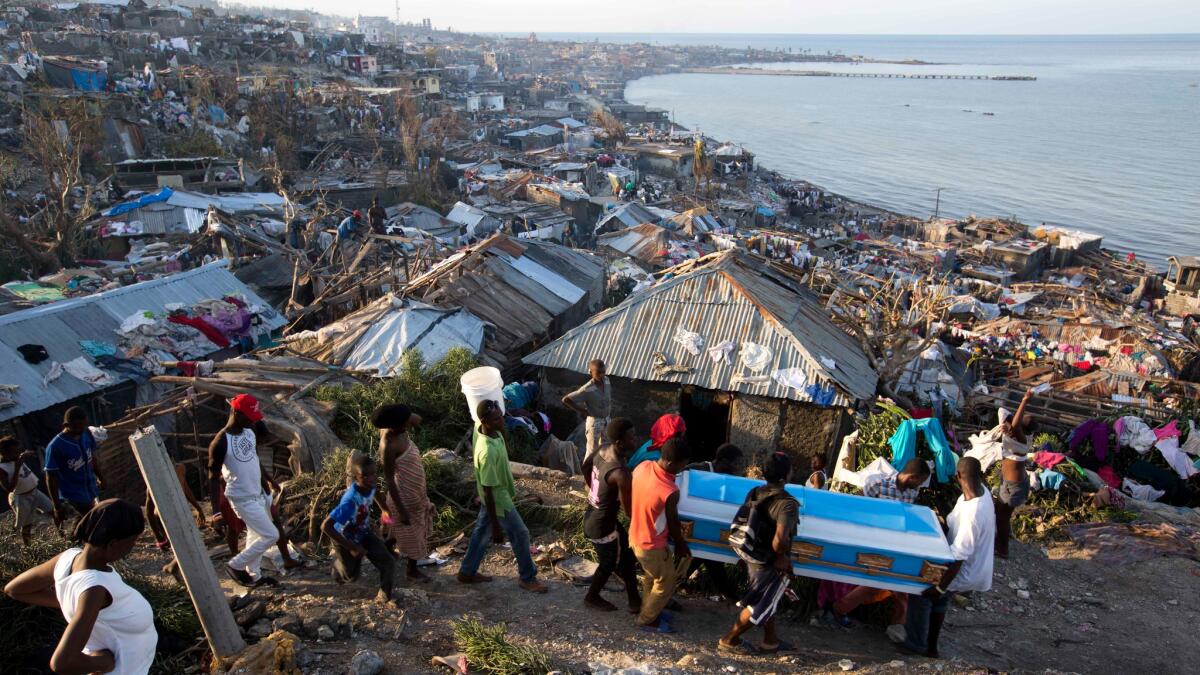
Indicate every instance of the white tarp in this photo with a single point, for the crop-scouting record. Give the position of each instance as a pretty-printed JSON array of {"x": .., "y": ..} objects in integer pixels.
[{"x": 414, "y": 325}]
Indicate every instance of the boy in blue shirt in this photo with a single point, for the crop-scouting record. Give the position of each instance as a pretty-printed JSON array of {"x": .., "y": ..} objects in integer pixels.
[
  {"x": 349, "y": 526},
  {"x": 71, "y": 473}
]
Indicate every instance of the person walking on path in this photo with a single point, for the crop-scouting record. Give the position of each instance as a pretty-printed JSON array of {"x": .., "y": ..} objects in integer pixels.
[
  {"x": 971, "y": 529},
  {"x": 594, "y": 402},
  {"x": 233, "y": 456},
  {"x": 410, "y": 510},
  {"x": 610, "y": 490},
  {"x": 21, "y": 484},
  {"x": 348, "y": 525},
  {"x": 497, "y": 513},
  {"x": 768, "y": 557},
  {"x": 71, "y": 472},
  {"x": 110, "y": 626},
  {"x": 654, "y": 519}
]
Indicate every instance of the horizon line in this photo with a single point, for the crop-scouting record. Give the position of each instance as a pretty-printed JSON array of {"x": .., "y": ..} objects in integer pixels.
[{"x": 591, "y": 32}]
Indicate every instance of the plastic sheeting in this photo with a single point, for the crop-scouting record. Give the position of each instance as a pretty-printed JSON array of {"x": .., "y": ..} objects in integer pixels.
[{"x": 414, "y": 325}]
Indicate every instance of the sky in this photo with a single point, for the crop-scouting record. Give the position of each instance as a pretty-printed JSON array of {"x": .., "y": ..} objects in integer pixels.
[{"x": 924, "y": 17}]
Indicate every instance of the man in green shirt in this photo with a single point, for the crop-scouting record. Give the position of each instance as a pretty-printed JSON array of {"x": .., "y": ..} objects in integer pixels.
[{"x": 497, "y": 515}]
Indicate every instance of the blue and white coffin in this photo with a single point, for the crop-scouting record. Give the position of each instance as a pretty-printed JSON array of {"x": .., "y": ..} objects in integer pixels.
[{"x": 856, "y": 540}]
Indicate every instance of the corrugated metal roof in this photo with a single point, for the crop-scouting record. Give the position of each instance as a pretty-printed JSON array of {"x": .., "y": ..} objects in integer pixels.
[
  {"x": 61, "y": 325},
  {"x": 730, "y": 296}
]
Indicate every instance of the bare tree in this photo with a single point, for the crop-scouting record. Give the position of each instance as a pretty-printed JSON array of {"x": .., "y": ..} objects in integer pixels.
[
  {"x": 59, "y": 145},
  {"x": 613, "y": 127},
  {"x": 893, "y": 322}
]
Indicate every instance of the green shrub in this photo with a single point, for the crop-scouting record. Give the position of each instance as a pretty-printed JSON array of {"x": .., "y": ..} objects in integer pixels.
[{"x": 488, "y": 649}]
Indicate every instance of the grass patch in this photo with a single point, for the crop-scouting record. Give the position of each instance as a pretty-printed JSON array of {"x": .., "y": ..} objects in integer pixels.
[{"x": 488, "y": 649}]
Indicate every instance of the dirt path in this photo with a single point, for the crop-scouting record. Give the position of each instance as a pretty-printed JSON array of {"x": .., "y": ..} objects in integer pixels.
[{"x": 1080, "y": 616}]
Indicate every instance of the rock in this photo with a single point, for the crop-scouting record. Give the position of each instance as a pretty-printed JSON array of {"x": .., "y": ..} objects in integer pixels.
[
  {"x": 312, "y": 618},
  {"x": 897, "y": 663},
  {"x": 249, "y": 614},
  {"x": 691, "y": 663},
  {"x": 1172, "y": 602},
  {"x": 1023, "y": 594},
  {"x": 365, "y": 662},
  {"x": 261, "y": 629},
  {"x": 1022, "y": 583},
  {"x": 443, "y": 455},
  {"x": 304, "y": 656},
  {"x": 410, "y": 597},
  {"x": 288, "y": 623},
  {"x": 846, "y": 664},
  {"x": 326, "y": 633}
]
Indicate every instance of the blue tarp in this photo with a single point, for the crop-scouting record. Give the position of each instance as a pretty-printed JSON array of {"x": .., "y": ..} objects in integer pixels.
[
  {"x": 904, "y": 446},
  {"x": 160, "y": 196},
  {"x": 89, "y": 80},
  {"x": 765, "y": 212}
]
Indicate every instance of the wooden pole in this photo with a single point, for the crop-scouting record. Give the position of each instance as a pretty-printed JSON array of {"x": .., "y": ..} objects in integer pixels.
[{"x": 211, "y": 606}]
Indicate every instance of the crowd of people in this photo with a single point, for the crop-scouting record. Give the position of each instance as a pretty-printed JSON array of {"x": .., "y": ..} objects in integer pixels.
[{"x": 110, "y": 626}]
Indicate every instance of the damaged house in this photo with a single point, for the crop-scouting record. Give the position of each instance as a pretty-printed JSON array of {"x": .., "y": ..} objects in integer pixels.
[{"x": 732, "y": 342}]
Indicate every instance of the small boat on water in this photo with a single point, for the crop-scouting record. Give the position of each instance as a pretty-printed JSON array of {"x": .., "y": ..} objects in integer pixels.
[
  {"x": 987, "y": 114},
  {"x": 840, "y": 537}
]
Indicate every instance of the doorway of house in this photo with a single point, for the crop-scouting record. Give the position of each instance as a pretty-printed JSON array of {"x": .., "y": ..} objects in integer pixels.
[{"x": 706, "y": 414}]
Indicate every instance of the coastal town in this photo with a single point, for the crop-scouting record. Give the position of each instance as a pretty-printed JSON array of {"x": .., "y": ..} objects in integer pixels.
[{"x": 382, "y": 262}]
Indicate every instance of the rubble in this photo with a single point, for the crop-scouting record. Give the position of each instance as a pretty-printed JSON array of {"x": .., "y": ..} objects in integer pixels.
[{"x": 200, "y": 202}]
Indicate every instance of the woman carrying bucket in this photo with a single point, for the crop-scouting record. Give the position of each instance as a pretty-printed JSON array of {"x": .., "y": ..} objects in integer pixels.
[{"x": 594, "y": 402}]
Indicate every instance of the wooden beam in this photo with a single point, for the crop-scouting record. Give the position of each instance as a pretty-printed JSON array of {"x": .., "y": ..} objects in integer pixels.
[{"x": 211, "y": 606}]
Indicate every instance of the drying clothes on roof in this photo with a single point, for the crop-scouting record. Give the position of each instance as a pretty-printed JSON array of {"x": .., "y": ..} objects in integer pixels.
[
  {"x": 8, "y": 393},
  {"x": 821, "y": 395},
  {"x": 722, "y": 352},
  {"x": 755, "y": 356},
  {"x": 692, "y": 342},
  {"x": 904, "y": 445},
  {"x": 791, "y": 377},
  {"x": 83, "y": 370},
  {"x": 208, "y": 330}
]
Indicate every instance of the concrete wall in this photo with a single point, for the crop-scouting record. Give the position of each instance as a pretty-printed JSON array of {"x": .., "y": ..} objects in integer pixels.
[
  {"x": 641, "y": 402},
  {"x": 810, "y": 430},
  {"x": 754, "y": 425}
]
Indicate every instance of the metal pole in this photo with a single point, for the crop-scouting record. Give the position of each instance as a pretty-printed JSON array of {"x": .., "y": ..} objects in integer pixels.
[{"x": 938, "y": 204}]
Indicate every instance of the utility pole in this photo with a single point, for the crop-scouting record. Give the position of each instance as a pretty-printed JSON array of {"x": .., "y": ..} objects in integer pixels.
[
  {"x": 209, "y": 600},
  {"x": 937, "y": 205}
]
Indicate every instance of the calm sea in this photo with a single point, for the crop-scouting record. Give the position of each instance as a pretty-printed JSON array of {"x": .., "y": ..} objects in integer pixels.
[{"x": 1107, "y": 139}]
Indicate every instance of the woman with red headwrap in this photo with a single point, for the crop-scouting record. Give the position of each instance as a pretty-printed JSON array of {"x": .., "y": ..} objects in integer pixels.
[{"x": 665, "y": 428}]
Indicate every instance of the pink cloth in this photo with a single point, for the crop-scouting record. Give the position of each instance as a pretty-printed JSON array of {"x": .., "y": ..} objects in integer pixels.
[
  {"x": 1048, "y": 460},
  {"x": 1109, "y": 475},
  {"x": 1168, "y": 431}
]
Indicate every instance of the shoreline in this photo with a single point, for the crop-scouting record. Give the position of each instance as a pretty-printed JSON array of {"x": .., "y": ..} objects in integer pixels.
[{"x": 1155, "y": 261}]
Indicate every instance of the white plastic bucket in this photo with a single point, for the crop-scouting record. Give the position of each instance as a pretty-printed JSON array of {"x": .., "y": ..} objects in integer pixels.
[{"x": 482, "y": 384}]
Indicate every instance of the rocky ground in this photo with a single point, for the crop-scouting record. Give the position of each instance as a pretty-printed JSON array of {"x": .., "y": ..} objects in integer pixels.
[{"x": 1050, "y": 608}]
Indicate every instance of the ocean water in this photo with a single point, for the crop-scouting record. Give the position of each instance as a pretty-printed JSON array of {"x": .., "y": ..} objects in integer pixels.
[{"x": 1106, "y": 140}]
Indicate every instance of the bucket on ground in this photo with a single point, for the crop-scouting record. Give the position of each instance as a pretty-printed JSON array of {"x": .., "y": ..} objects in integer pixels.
[{"x": 482, "y": 384}]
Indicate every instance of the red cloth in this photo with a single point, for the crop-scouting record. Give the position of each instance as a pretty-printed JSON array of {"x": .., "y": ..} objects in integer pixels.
[
  {"x": 199, "y": 324},
  {"x": 1048, "y": 460},
  {"x": 921, "y": 413},
  {"x": 1109, "y": 475},
  {"x": 186, "y": 368},
  {"x": 665, "y": 428},
  {"x": 1083, "y": 365}
]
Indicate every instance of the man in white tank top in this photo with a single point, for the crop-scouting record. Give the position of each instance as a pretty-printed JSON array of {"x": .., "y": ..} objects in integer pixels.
[{"x": 233, "y": 455}]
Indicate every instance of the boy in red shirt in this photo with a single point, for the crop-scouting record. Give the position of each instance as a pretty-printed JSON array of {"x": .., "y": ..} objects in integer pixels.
[{"x": 654, "y": 518}]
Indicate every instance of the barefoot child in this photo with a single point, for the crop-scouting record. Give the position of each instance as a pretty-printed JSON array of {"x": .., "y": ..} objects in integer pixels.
[
  {"x": 349, "y": 526},
  {"x": 404, "y": 480}
]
